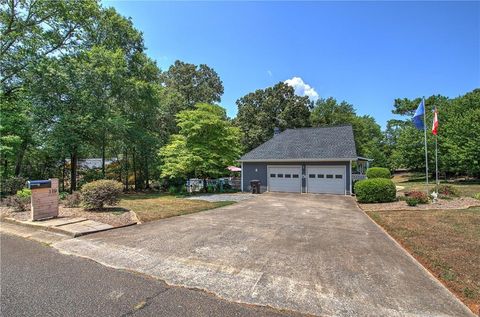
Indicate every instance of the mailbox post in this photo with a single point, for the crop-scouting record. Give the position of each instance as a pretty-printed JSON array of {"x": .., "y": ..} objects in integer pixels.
[{"x": 44, "y": 199}]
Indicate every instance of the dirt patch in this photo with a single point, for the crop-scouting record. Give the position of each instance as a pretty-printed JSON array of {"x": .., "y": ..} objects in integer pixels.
[
  {"x": 114, "y": 216},
  {"x": 454, "y": 203},
  {"x": 447, "y": 242}
]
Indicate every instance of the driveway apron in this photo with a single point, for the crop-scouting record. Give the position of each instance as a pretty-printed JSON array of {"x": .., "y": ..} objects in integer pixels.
[{"x": 315, "y": 254}]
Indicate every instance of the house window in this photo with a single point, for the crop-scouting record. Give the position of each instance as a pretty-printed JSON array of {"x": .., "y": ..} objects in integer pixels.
[
  {"x": 280, "y": 175},
  {"x": 272, "y": 175},
  {"x": 321, "y": 176},
  {"x": 339, "y": 176},
  {"x": 295, "y": 175},
  {"x": 311, "y": 175},
  {"x": 329, "y": 176},
  {"x": 288, "y": 176}
]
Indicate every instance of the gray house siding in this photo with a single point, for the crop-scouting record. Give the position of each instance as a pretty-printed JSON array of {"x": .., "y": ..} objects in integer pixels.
[{"x": 258, "y": 171}]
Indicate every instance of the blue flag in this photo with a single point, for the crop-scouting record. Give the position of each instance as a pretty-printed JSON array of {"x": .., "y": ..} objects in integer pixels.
[{"x": 418, "y": 116}]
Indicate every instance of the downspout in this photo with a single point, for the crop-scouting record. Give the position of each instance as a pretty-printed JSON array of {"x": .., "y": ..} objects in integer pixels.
[{"x": 241, "y": 177}]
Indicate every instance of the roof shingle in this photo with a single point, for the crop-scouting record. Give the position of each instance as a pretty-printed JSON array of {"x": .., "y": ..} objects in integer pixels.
[{"x": 332, "y": 142}]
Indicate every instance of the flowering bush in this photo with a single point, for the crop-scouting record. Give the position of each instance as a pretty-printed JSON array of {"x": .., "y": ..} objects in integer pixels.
[{"x": 419, "y": 196}]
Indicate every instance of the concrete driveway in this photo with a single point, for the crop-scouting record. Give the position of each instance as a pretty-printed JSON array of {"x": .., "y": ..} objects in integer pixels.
[{"x": 316, "y": 254}]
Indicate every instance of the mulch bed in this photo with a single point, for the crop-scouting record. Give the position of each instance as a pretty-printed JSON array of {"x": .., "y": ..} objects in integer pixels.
[
  {"x": 454, "y": 203},
  {"x": 114, "y": 216}
]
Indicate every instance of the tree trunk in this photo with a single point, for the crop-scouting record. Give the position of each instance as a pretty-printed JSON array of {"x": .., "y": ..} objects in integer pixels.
[
  {"x": 126, "y": 169},
  {"x": 19, "y": 159},
  {"x": 147, "y": 183},
  {"x": 134, "y": 169},
  {"x": 63, "y": 174},
  {"x": 73, "y": 170},
  {"x": 103, "y": 156}
]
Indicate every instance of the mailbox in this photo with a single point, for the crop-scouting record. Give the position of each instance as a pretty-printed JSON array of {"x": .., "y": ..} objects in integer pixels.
[{"x": 39, "y": 184}]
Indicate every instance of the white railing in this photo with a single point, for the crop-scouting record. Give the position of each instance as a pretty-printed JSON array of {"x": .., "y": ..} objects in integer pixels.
[{"x": 357, "y": 177}]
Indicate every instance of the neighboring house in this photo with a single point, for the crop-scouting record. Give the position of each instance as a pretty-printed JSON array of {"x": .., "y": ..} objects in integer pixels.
[{"x": 305, "y": 160}]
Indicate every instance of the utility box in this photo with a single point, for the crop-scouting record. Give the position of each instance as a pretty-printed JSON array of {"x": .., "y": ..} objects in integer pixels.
[
  {"x": 44, "y": 199},
  {"x": 255, "y": 185}
]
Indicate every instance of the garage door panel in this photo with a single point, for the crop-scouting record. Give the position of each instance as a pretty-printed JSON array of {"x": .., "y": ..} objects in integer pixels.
[
  {"x": 326, "y": 179},
  {"x": 285, "y": 179}
]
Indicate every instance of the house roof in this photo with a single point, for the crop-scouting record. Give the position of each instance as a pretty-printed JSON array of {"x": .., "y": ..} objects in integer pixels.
[{"x": 307, "y": 144}]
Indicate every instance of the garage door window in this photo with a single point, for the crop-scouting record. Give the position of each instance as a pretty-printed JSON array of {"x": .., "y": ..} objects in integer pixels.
[
  {"x": 329, "y": 176},
  {"x": 288, "y": 176},
  {"x": 272, "y": 175},
  {"x": 280, "y": 175},
  {"x": 321, "y": 175},
  {"x": 339, "y": 176},
  {"x": 295, "y": 175},
  {"x": 311, "y": 175}
]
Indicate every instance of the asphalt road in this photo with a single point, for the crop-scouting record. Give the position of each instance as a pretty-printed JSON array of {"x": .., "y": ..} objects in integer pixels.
[{"x": 36, "y": 280}]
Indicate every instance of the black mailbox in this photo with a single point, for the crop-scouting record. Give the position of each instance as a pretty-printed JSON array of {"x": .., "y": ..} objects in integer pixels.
[{"x": 39, "y": 184}]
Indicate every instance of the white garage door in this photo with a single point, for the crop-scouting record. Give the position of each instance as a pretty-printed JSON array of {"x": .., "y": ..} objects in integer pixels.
[
  {"x": 326, "y": 179},
  {"x": 285, "y": 179}
]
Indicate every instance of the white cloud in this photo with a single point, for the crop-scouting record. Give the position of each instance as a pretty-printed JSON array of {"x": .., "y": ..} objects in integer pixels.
[
  {"x": 269, "y": 72},
  {"x": 301, "y": 88}
]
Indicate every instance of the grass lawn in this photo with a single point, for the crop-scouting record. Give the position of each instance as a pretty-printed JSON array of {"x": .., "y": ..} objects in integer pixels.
[
  {"x": 415, "y": 182},
  {"x": 149, "y": 207},
  {"x": 447, "y": 242}
]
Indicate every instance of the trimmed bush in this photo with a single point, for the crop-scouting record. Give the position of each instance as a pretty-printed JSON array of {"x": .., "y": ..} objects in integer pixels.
[
  {"x": 448, "y": 190},
  {"x": 102, "y": 192},
  {"x": 73, "y": 200},
  {"x": 376, "y": 190},
  {"x": 412, "y": 201},
  {"x": 419, "y": 196},
  {"x": 378, "y": 172}
]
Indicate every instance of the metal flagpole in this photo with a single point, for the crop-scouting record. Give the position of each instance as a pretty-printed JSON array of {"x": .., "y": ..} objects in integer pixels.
[
  {"x": 425, "y": 132},
  {"x": 436, "y": 155}
]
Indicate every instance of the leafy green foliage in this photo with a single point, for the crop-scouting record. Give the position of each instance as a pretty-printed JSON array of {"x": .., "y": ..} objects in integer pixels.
[
  {"x": 378, "y": 172},
  {"x": 477, "y": 196},
  {"x": 24, "y": 193},
  {"x": 10, "y": 186},
  {"x": 261, "y": 111},
  {"x": 411, "y": 201},
  {"x": 206, "y": 144},
  {"x": 377, "y": 190},
  {"x": 102, "y": 192}
]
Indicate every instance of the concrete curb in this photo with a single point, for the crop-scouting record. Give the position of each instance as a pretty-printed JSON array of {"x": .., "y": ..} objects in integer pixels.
[
  {"x": 430, "y": 274},
  {"x": 58, "y": 229}
]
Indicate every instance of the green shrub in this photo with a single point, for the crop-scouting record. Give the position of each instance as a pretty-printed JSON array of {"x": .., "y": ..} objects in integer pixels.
[
  {"x": 412, "y": 201},
  {"x": 63, "y": 195},
  {"x": 73, "y": 200},
  {"x": 448, "y": 190},
  {"x": 102, "y": 192},
  {"x": 477, "y": 196},
  {"x": 24, "y": 193},
  {"x": 419, "y": 196},
  {"x": 376, "y": 190},
  {"x": 378, "y": 172},
  {"x": 172, "y": 190},
  {"x": 10, "y": 186}
]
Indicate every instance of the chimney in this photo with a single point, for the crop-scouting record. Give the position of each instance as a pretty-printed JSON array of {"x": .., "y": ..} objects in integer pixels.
[{"x": 276, "y": 131}]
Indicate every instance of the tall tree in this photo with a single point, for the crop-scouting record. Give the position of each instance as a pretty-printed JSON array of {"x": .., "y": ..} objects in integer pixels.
[
  {"x": 193, "y": 84},
  {"x": 261, "y": 111},
  {"x": 206, "y": 144},
  {"x": 31, "y": 30}
]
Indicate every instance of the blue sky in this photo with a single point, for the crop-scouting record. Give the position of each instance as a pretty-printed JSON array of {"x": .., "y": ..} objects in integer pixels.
[{"x": 367, "y": 53}]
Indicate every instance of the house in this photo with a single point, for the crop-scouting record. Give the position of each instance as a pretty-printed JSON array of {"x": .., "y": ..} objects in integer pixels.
[{"x": 305, "y": 160}]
